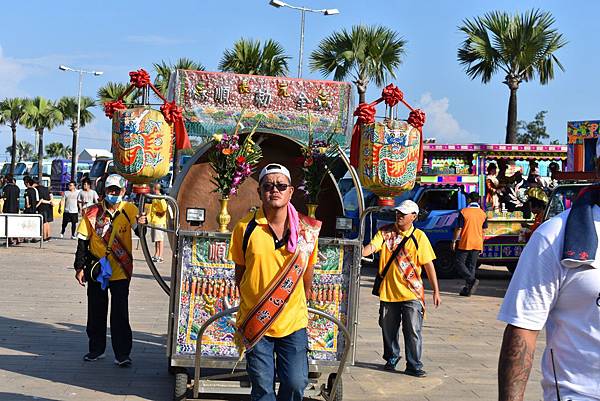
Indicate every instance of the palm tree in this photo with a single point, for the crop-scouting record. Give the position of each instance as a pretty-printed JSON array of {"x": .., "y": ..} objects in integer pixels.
[
  {"x": 68, "y": 107},
  {"x": 164, "y": 70},
  {"x": 247, "y": 57},
  {"x": 11, "y": 113},
  {"x": 55, "y": 149},
  {"x": 41, "y": 114},
  {"x": 522, "y": 46},
  {"x": 113, "y": 90},
  {"x": 24, "y": 151},
  {"x": 366, "y": 53}
]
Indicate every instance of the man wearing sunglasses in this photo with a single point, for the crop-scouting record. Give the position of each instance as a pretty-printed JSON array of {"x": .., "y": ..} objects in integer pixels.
[
  {"x": 274, "y": 250},
  {"x": 405, "y": 251}
]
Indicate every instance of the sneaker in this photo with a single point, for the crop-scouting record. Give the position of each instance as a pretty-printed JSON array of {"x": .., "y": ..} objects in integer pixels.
[
  {"x": 465, "y": 292},
  {"x": 73, "y": 237},
  {"x": 415, "y": 372},
  {"x": 93, "y": 356},
  {"x": 473, "y": 287},
  {"x": 154, "y": 259},
  {"x": 391, "y": 364},
  {"x": 62, "y": 236},
  {"x": 160, "y": 260},
  {"x": 123, "y": 362}
]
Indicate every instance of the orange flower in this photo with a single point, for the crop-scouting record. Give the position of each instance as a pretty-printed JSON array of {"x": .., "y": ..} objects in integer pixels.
[{"x": 227, "y": 151}]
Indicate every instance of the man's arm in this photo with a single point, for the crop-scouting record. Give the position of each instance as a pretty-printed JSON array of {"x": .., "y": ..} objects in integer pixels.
[
  {"x": 368, "y": 250},
  {"x": 456, "y": 236},
  {"x": 307, "y": 279},
  {"x": 514, "y": 364},
  {"x": 239, "y": 273},
  {"x": 432, "y": 276}
]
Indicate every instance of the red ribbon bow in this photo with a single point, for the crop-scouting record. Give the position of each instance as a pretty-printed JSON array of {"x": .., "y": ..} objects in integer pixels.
[
  {"x": 416, "y": 118},
  {"x": 171, "y": 112},
  {"x": 111, "y": 107},
  {"x": 392, "y": 95},
  {"x": 139, "y": 78},
  {"x": 365, "y": 113}
]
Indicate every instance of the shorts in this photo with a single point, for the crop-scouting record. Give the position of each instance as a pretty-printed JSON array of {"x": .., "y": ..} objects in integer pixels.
[{"x": 157, "y": 235}]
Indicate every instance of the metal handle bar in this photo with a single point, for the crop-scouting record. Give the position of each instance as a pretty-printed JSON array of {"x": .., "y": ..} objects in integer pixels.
[
  {"x": 198, "y": 354},
  {"x": 157, "y": 276}
]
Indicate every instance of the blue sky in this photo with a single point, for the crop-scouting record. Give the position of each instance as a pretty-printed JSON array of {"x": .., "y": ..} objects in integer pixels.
[{"x": 119, "y": 36}]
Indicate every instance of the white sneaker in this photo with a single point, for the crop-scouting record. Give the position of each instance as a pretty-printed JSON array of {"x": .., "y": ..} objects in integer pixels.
[
  {"x": 62, "y": 236},
  {"x": 73, "y": 237}
]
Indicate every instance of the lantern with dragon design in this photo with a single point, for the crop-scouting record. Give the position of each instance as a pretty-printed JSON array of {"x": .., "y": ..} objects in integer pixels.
[
  {"x": 142, "y": 138},
  {"x": 387, "y": 155}
]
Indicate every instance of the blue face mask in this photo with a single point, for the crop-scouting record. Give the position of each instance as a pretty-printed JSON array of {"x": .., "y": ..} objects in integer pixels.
[{"x": 113, "y": 199}]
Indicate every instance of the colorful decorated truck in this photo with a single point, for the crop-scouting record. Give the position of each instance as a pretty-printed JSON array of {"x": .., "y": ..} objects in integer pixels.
[
  {"x": 281, "y": 116},
  {"x": 452, "y": 171},
  {"x": 449, "y": 173}
]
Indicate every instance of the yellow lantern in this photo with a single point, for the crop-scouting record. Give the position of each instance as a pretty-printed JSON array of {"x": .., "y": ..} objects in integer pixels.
[
  {"x": 389, "y": 158},
  {"x": 142, "y": 144}
]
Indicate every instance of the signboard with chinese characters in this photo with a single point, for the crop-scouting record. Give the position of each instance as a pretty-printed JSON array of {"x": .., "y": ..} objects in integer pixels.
[
  {"x": 206, "y": 286},
  {"x": 213, "y": 102}
]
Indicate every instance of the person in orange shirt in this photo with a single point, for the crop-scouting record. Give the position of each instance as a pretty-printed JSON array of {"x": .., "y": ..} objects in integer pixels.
[{"x": 468, "y": 242}]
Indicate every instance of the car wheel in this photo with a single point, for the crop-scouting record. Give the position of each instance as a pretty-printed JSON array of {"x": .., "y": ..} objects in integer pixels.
[{"x": 444, "y": 262}]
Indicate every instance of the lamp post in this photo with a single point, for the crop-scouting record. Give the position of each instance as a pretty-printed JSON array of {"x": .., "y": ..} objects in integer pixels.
[
  {"x": 303, "y": 10},
  {"x": 74, "y": 155}
]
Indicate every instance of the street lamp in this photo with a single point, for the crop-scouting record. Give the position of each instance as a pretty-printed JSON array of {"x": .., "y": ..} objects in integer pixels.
[
  {"x": 303, "y": 10},
  {"x": 74, "y": 155}
]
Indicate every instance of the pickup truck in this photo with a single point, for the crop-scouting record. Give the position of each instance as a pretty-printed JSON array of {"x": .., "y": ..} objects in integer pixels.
[{"x": 439, "y": 207}]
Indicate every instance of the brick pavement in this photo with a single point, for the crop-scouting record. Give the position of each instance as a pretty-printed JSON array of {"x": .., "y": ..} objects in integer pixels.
[{"x": 42, "y": 339}]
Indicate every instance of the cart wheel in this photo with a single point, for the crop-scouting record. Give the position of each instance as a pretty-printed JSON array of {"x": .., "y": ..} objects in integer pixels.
[
  {"x": 339, "y": 391},
  {"x": 181, "y": 382}
]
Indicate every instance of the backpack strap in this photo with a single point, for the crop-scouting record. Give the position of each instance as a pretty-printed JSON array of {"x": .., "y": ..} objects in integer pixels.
[{"x": 248, "y": 232}]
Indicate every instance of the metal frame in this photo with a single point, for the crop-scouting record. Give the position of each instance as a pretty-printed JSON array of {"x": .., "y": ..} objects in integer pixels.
[{"x": 340, "y": 370}]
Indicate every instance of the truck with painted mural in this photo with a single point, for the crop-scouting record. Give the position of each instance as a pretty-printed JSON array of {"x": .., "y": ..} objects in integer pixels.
[{"x": 500, "y": 174}]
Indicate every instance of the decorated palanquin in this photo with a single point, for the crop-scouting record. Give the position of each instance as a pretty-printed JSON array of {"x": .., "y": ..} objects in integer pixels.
[
  {"x": 207, "y": 286},
  {"x": 214, "y": 101},
  {"x": 142, "y": 138},
  {"x": 387, "y": 154}
]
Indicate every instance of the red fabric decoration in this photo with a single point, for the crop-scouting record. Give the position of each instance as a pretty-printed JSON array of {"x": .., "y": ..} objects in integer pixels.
[
  {"x": 365, "y": 114},
  {"x": 139, "y": 78},
  {"x": 392, "y": 95},
  {"x": 111, "y": 107},
  {"x": 416, "y": 118},
  {"x": 174, "y": 115}
]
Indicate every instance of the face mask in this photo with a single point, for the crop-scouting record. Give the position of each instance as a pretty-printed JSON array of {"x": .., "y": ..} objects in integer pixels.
[{"x": 113, "y": 199}]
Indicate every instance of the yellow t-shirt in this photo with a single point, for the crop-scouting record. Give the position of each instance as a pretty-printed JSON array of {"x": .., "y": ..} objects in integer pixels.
[
  {"x": 394, "y": 287},
  {"x": 122, "y": 224},
  {"x": 263, "y": 262},
  {"x": 156, "y": 212}
]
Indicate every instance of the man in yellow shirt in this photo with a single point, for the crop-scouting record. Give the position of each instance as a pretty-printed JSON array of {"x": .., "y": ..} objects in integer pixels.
[
  {"x": 401, "y": 293},
  {"x": 107, "y": 225},
  {"x": 274, "y": 250},
  {"x": 157, "y": 217}
]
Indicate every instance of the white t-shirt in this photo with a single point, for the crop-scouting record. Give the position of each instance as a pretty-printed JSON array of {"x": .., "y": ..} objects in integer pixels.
[
  {"x": 565, "y": 300},
  {"x": 87, "y": 198}
]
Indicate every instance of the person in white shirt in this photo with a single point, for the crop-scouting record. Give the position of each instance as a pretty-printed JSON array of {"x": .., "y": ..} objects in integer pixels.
[
  {"x": 557, "y": 286},
  {"x": 69, "y": 203},
  {"x": 87, "y": 196}
]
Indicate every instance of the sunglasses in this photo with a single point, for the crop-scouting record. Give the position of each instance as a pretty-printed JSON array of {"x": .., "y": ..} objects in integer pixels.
[{"x": 269, "y": 186}]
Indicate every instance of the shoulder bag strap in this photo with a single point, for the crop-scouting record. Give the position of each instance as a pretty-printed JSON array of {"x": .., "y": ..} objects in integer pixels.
[
  {"x": 113, "y": 233},
  {"x": 395, "y": 254}
]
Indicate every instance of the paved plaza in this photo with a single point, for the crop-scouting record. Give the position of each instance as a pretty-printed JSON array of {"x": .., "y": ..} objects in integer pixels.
[{"x": 42, "y": 338}]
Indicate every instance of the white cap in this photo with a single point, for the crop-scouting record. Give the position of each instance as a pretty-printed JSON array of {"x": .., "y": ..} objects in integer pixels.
[
  {"x": 115, "y": 180},
  {"x": 407, "y": 207},
  {"x": 274, "y": 168}
]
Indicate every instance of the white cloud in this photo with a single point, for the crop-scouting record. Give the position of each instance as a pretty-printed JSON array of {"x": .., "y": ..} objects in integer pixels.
[
  {"x": 12, "y": 73},
  {"x": 440, "y": 123},
  {"x": 155, "y": 40}
]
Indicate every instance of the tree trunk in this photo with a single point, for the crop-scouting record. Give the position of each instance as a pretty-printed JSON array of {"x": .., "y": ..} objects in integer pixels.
[
  {"x": 511, "y": 123},
  {"x": 361, "y": 88},
  {"x": 40, "y": 155},
  {"x": 74, "y": 155},
  {"x": 13, "y": 151}
]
